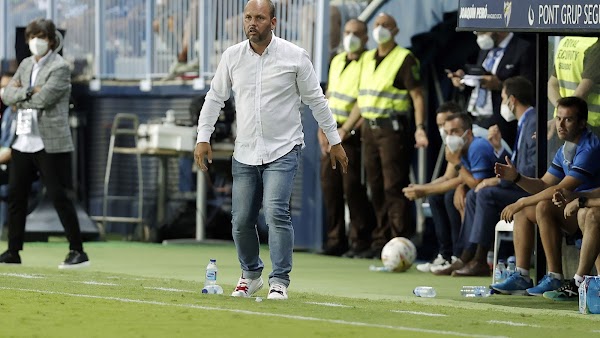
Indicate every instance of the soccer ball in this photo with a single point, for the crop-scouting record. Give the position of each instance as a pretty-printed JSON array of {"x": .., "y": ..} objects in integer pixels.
[{"x": 398, "y": 254}]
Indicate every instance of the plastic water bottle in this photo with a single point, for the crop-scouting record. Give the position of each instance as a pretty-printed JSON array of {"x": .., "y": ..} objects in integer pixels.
[
  {"x": 424, "y": 291},
  {"x": 211, "y": 273},
  {"x": 511, "y": 266},
  {"x": 212, "y": 290},
  {"x": 475, "y": 291},
  {"x": 378, "y": 268},
  {"x": 500, "y": 272}
]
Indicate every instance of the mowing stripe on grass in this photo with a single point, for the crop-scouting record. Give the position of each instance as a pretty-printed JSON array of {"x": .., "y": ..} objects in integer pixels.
[
  {"x": 503, "y": 322},
  {"x": 294, "y": 317},
  {"x": 420, "y": 313}
]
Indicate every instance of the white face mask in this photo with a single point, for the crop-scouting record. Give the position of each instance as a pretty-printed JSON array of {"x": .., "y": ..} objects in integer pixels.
[
  {"x": 38, "y": 47},
  {"x": 485, "y": 41},
  {"x": 455, "y": 143},
  {"x": 507, "y": 113},
  {"x": 351, "y": 43},
  {"x": 442, "y": 134},
  {"x": 382, "y": 35}
]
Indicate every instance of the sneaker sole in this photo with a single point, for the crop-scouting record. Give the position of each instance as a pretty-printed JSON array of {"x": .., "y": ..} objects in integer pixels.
[
  {"x": 572, "y": 299},
  {"x": 74, "y": 266},
  {"x": 280, "y": 297},
  {"x": 243, "y": 295},
  {"x": 511, "y": 292}
]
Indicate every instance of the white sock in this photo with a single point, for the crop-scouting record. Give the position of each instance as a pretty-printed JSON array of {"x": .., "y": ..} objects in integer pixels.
[
  {"x": 578, "y": 279},
  {"x": 524, "y": 273},
  {"x": 555, "y": 275}
]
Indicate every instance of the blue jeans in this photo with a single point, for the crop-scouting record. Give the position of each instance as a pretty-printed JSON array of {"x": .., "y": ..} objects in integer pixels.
[{"x": 270, "y": 186}]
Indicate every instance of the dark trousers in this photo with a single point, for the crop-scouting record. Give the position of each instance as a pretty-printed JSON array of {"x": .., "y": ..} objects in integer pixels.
[
  {"x": 54, "y": 170},
  {"x": 446, "y": 220},
  {"x": 388, "y": 154},
  {"x": 482, "y": 212},
  {"x": 335, "y": 185}
]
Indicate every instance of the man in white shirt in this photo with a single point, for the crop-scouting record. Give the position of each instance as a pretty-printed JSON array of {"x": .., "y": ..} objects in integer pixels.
[{"x": 268, "y": 77}]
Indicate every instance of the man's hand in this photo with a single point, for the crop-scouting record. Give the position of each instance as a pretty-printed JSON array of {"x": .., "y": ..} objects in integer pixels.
[
  {"x": 414, "y": 191},
  {"x": 494, "y": 136},
  {"x": 203, "y": 149},
  {"x": 508, "y": 214},
  {"x": 571, "y": 208},
  {"x": 452, "y": 158},
  {"x": 506, "y": 171},
  {"x": 491, "y": 82},
  {"x": 16, "y": 83},
  {"x": 36, "y": 89},
  {"x": 488, "y": 182},
  {"x": 338, "y": 154},
  {"x": 551, "y": 128},
  {"x": 455, "y": 77},
  {"x": 323, "y": 142},
  {"x": 421, "y": 140},
  {"x": 562, "y": 197},
  {"x": 460, "y": 196}
]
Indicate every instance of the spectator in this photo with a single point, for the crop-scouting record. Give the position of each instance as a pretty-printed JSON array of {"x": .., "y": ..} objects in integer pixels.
[
  {"x": 493, "y": 194},
  {"x": 342, "y": 91},
  {"x": 502, "y": 56},
  {"x": 575, "y": 167},
  {"x": 7, "y": 132},
  {"x": 40, "y": 90},
  {"x": 269, "y": 77},
  {"x": 389, "y": 81}
]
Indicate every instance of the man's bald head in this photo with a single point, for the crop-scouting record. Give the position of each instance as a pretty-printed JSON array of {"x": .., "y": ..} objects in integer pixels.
[{"x": 268, "y": 3}]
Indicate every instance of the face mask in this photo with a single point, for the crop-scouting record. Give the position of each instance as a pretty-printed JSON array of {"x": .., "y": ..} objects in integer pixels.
[
  {"x": 38, "y": 47},
  {"x": 382, "y": 35},
  {"x": 485, "y": 41},
  {"x": 351, "y": 43},
  {"x": 507, "y": 113},
  {"x": 569, "y": 150},
  {"x": 455, "y": 143},
  {"x": 442, "y": 133}
]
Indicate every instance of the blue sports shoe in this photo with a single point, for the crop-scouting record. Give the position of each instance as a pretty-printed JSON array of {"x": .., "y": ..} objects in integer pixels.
[
  {"x": 546, "y": 284},
  {"x": 515, "y": 284}
]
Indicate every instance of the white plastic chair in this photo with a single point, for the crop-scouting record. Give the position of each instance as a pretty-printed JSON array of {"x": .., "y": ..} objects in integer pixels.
[{"x": 503, "y": 226}]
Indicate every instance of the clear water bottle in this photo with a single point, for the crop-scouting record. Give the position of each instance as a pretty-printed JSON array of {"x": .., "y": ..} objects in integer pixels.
[
  {"x": 511, "y": 266},
  {"x": 500, "y": 272},
  {"x": 475, "y": 291},
  {"x": 212, "y": 289},
  {"x": 424, "y": 291},
  {"x": 211, "y": 273}
]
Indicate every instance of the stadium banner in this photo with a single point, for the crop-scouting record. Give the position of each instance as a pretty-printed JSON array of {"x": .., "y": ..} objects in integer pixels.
[{"x": 582, "y": 16}]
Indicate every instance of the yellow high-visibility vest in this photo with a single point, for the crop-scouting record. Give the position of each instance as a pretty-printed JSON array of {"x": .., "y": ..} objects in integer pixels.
[
  {"x": 569, "y": 66},
  {"x": 343, "y": 86},
  {"x": 377, "y": 97}
]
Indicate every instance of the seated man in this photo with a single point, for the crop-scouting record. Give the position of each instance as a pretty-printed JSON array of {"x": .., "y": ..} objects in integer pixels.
[
  {"x": 470, "y": 160},
  {"x": 485, "y": 203},
  {"x": 575, "y": 167},
  {"x": 586, "y": 205}
]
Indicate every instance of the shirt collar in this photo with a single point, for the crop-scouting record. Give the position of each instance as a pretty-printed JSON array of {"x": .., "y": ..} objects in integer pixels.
[
  {"x": 44, "y": 59},
  {"x": 522, "y": 118},
  {"x": 271, "y": 47}
]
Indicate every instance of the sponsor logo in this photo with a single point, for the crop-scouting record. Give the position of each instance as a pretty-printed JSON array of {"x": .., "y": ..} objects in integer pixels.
[
  {"x": 531, "y": 16},
  {"x": 480, "y": 13},
  {"x": 507, "y": 12}
]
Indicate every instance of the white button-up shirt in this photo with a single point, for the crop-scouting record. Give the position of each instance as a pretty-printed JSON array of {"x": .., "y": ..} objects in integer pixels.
[{"x": 267, "y": 90}]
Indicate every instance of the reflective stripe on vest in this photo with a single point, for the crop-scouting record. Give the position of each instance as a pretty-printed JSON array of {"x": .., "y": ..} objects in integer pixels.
[
  {"x": 378, "y": 98},
  {"x": 569, "y": 66},
  {"x": 343, "y": 86}
]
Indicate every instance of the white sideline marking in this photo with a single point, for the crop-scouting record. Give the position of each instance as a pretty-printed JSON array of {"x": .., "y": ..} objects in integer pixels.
[
  {"x": 91, "y": 282},
  {"x": 212, "y": 308},
  {"x": 421, "y": 313},
  {"x": 117, "y": 277},
  {"x": 511, "y": 323},
  {"x": 167, "y": 289},
  {"x": 21, "y": 275},
  {"x": 328, "y": 304}
]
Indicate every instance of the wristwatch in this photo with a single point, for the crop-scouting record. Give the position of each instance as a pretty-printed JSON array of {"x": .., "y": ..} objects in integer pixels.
[
  {"x": 29, "y": 92},
  {"x": 582, "y": 202},
  {"x": 457, "y": 167}
]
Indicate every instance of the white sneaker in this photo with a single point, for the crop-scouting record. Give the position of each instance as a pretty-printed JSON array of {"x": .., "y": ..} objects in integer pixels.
[
  {"x": 444, "y": 265},
  {"x": 277, "y": 291},
  {"x": 426, "y": 267},
  {"x": 246, "y": 287}
]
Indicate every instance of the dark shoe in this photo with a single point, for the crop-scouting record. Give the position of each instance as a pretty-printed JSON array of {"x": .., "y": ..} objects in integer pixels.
[
  {"x": 369, "y": 254},
  {"x": 75, "y": 259},
  {"x": 473, "y": 268},
  {"x": 10, "y": 257},
  {"x": 334, "y": 251},
  {"x": 448, "y": 271},
  {"x": 567, "y": 292},
  {"x": 352, "y": 253}
]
